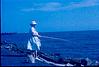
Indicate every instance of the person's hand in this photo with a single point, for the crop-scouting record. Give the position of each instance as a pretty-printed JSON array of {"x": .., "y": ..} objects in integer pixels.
[{"x": 39, "y": 36}]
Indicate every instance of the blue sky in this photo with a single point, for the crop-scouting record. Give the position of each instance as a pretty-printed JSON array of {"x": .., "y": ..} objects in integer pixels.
[{"x": 51, "y": 15}]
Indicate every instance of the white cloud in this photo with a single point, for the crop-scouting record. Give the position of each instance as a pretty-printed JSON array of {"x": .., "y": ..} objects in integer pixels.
[
  {"x": 55, "y": 6},
  {"x": 52, "y": 6},
  {"x": 85, "y": 3}
]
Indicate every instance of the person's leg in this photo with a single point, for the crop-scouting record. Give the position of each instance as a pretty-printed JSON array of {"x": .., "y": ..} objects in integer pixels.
[{"x": 32, "y": 59}]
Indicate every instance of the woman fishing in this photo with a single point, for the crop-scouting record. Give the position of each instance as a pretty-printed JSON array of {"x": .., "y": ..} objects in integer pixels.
[{"x": 34, "y": 41}]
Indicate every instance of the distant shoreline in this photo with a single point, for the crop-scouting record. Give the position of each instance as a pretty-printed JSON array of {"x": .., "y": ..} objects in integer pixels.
[
  {"x": 8, "y": 33},
  {"x": 50, "y": 32}
]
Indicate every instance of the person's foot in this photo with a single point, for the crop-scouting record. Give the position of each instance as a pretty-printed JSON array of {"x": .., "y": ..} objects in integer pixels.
[{"x": 37, "y": 58}]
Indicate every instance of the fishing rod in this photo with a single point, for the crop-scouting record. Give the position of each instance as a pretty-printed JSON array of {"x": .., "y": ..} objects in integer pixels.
[{"x": 54, "y": 38}]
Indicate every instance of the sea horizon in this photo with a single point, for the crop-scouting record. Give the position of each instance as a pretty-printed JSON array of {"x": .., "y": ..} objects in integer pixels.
[{"x": 50, "y": 31}]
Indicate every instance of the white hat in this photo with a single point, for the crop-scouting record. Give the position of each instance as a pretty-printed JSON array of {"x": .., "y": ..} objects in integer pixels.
[{"x": 33, "y": 22}]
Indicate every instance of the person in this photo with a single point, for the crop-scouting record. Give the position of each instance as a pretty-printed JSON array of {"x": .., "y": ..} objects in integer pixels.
[{"x": 34, "y": 42}]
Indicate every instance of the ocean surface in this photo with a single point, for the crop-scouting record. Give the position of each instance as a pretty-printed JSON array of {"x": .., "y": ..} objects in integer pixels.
[{"x": 77, "y": 44}]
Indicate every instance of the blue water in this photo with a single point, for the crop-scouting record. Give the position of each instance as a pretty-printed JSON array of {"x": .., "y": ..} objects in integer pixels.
[{"x": 79, "y": 44}]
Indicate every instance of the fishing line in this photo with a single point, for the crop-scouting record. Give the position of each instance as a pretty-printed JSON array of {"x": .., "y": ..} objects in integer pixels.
[{"x": 54, "y": 38}]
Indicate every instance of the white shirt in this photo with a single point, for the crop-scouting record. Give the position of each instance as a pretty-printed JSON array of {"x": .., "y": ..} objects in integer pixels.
[
  {"x": 34, "y": 32},
  {"x": 35, "y": 38}
]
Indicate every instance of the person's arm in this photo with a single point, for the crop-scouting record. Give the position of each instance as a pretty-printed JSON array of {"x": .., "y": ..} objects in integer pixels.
[{"x": 35, "y": 33}]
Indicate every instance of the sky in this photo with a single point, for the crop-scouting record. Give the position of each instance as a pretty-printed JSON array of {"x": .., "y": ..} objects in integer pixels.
[{"x": 50, "y": 15}]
